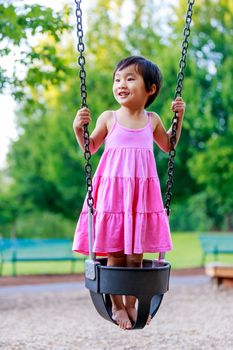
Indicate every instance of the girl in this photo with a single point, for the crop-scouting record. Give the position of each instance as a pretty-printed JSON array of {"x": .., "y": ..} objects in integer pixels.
[{"x": 129, "y": 214}]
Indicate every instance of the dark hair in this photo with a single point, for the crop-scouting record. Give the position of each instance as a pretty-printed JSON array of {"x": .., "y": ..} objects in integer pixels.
[{"x": 148, "y": 70}]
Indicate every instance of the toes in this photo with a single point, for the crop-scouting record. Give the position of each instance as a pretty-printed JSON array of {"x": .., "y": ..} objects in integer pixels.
[
  {"x": 125, "y": 325},
  {"x": 149, "y": 320},
  {"x": 121, "y": 319},
  {"x": 128, "y": 325}
]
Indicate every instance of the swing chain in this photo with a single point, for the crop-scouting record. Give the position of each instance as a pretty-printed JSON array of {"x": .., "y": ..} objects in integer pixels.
[
  {"x": 83, "y": 93},
  {"x": 178, "y": 92}
]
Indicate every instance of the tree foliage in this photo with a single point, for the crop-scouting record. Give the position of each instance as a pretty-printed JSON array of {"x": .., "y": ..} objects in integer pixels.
[
  {"x": 212, "y": 47},
  {"x": 45, "y": 167},
  {"x": 20, "y": 25}
]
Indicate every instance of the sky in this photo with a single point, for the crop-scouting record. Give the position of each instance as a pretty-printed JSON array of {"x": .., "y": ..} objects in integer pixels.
[{"x": 8, "y": 130}]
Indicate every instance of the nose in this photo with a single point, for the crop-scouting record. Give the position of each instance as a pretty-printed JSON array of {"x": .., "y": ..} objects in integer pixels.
[{"x": 122, "y": 83}]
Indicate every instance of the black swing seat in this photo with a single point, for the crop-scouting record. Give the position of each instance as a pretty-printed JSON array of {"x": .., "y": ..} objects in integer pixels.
[{"x": 148, "y": 284}]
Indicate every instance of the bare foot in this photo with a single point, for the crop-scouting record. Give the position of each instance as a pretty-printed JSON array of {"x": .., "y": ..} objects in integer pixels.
[
  {"x": 149, "y": 320},
  {"x": 132, "y": 312},
  {"x": 121, "y": 318}
]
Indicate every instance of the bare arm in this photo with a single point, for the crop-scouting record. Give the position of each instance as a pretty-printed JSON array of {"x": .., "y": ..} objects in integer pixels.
[
  {"x": 161, "y": 136},
  {"x": 98, "y": 134}
]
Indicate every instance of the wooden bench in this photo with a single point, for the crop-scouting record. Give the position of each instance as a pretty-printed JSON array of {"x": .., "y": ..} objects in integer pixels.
[
  {"x": 36, "y": 250},
  {"x": 222, "y": 273},
  {"x": 216, "y": 244}
]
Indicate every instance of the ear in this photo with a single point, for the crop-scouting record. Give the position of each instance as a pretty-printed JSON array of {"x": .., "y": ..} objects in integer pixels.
[{"x": 153, "y": 88}]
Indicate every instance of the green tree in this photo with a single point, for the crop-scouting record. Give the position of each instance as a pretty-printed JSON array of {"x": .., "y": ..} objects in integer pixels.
[
  {"x": 20, "y": 24},
  {"x": 30, "y": 34},
  {"x": 212, "y": 46},
  {"x": 45, "y": 164},
  {"x": 44, "y": 160}
]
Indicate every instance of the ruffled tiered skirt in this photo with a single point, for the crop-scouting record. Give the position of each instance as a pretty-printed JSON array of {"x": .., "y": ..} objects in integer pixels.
[{"x": 129, "y": 214}]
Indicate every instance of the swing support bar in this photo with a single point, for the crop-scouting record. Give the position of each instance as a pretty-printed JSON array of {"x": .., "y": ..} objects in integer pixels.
[
  {"x": 91, "y": 263},
  {"x": 92, "y": 255}
]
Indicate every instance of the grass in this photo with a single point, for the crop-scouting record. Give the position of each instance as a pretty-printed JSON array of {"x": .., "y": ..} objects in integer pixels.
[
  {"x": 186, "y": 253},
  {"x": 44, "y": 267}
]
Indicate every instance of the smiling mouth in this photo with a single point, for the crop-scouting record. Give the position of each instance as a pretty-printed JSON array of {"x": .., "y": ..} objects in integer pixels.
[{"x": 123, "y": 94}]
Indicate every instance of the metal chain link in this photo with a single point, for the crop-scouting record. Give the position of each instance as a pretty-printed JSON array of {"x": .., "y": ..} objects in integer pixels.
[
  {"x": 178, "y": 91},
  {"x": 83, "y": 94}
]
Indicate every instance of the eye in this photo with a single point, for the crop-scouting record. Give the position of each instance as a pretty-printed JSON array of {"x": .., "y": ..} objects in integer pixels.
[
  {"x": 117, "y": 80},
  {"x": 130, "y": 79}
]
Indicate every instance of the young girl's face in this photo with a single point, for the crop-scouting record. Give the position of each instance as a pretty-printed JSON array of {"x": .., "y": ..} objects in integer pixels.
[{"x": 129, "y": 88}]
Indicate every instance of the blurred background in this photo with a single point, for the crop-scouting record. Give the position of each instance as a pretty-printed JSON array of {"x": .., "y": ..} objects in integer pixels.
[{"x": 42, "y": 181}]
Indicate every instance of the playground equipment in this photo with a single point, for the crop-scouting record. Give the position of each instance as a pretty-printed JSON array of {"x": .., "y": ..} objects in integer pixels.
[{"x": 148, "y": 283}]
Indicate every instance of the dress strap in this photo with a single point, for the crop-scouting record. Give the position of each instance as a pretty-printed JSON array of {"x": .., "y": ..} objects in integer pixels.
[
  {"x": 150, "y": 117},
  {"x": 113, "y": 126},
  {"x": 149, "y": 114}
]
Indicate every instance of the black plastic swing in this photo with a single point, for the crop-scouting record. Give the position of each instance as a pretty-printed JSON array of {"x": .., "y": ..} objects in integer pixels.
[{"x": 150, "y": 282}]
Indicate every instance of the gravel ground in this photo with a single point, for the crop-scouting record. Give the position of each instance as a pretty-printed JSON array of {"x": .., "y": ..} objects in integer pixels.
[{"x": 194, "y": 315}]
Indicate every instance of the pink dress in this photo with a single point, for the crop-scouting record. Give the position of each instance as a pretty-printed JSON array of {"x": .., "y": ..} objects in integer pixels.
[{"x": 129, "y": 214}]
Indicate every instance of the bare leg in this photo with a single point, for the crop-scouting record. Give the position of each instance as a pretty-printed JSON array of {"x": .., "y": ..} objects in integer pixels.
[
  {"x": 119, "y": 313},
  {"x": 134, "y": 260}
]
